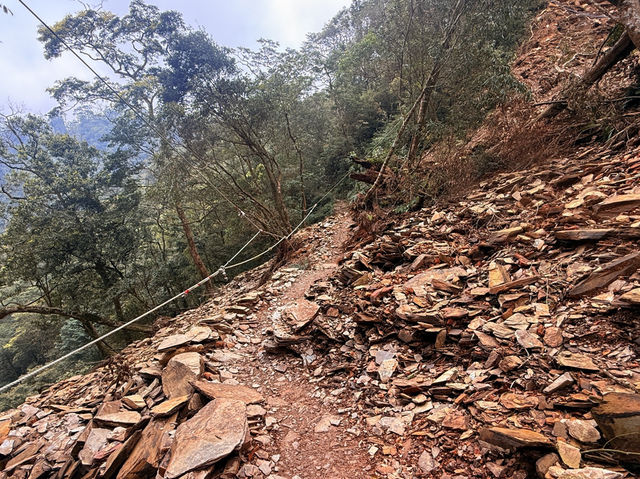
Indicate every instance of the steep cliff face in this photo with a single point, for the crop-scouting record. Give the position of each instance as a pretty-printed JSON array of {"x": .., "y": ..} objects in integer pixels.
[{"x": 494, "y": 335}]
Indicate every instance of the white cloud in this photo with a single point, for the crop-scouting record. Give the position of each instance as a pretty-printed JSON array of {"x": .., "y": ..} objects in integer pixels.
[
  {"x": 291, "y": 20},
  {"x": 25, "y": 74}
]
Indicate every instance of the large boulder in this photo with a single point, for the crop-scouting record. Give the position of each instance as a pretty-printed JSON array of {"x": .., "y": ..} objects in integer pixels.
[
  {"x": 212, "y": 434},
  {"x": 180, "y": 371}
]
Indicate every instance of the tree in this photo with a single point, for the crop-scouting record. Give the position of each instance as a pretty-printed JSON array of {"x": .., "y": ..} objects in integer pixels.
[
  {"x": 73, "y": 215},
  {"x": 431, "y": 81},
  {"x": 225, "y": 116},
  {"x": 378, "y": 57},
  {"x": 134, "y": 48}
]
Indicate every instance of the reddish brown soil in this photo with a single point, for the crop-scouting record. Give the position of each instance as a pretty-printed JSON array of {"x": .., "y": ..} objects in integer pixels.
[{"x": 291, "y": 395}]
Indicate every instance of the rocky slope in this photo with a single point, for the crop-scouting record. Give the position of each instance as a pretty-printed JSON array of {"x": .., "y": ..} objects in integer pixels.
[
  {"x": 492, "y": 336},
  {"x": 476, "y": 340}
]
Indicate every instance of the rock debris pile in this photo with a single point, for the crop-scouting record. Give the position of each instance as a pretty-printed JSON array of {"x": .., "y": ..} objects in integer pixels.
[
  {"x": 160, "y": 416},
  {"x": 496, "y": 336},
  {"x": 506, "y": 321}
]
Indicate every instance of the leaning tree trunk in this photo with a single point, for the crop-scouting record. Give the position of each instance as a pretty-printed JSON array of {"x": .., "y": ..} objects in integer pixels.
[
  {"x": 432, "y": 80},
  {"x": 628, "y": 14},
  {"x": 103, "y": 347},
  {"x": 422, "y": 101},
  {"x": 303, "y": 197},
  {"x": 193, "y": 249},
  {"x": 620, "y": 50},
  {"x": 368, "y": 197}
]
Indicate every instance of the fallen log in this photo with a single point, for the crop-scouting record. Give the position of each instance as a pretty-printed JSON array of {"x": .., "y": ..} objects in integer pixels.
[{"x": 597, "y": 234}]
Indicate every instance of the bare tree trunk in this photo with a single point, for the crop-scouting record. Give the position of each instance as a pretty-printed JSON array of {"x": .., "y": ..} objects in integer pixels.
[
  {"x": 303, "y": 197},
  {"x": 117, "y": 306},
  {"x": 283, "y": 212},
  {"x": 620, "y": 50},
  {"x": 193, "y": 249},
  {"x": 404, "y": 44},
  {"x": 425, "y": 93},
  {"x": 103, "y": 347},
  {"x": 273, "y": 175},
  {"x": 432, "y": 79},
  {"x": 368, "y": 197}
]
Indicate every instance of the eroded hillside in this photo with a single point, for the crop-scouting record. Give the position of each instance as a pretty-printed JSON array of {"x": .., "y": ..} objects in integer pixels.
[{"x": 490, "y": 336}]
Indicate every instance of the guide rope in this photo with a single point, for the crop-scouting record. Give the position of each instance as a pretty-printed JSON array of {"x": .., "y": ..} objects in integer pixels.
[{"x": 220, "y": 271}]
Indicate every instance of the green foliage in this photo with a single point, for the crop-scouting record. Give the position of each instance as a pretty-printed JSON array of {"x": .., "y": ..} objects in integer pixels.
[
  {"x": 193, "y": 56},
  {"x": 78, "y": 211},
  {"x": 91, "y": 126},
  {"x": 92, "y": 210},
  {"x": 128, "y": 44},
  {"x": 378, "y": 54},
  {"x": 32, "y": 386}
]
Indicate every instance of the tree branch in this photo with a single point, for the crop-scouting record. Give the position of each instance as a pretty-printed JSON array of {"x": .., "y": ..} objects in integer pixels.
[{"x": 55, "y": 311}]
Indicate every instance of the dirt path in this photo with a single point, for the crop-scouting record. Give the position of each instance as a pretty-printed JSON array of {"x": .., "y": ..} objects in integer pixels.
[{"x": 309, "y": 433}]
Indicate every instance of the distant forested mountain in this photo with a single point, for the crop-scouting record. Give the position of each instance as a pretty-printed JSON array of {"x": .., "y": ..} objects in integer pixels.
[{"x": 85, "y": 124}]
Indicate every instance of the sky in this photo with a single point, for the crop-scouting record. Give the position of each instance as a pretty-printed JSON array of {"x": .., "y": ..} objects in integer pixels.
[{"x": 25, "y": 74}]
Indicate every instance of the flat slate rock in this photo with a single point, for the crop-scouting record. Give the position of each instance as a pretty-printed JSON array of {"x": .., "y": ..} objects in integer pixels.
[
  {"x": 249, "y": 298},
  {"x": 618, "y": 204},
  {"x": 528, "y": 340},
  {"x": 97, "y": 439},
  {"x": 147, "y": 452},
  {"x": 562, "y": 381},
  {"x": 606, "y": 275},
  {"x": 170, "y": 406},
  {"x": 174, "y": 341},
  {"x": 632, "y": 297},
  {"x": 198, "y": 334},
  {"x": 228, "y": 391},
  {"x": 112, "y": 414},
  {"x": 576, "y": 361},
  {"x": 583, "y": 234},
  {"x": 225, "y": 356},
  {"x": 424, "y": 279},
  {"x": 300, "y": 313},
  {"x": 590, "y": 473},
  {"x": 583, "y": 431},
  {"x": 569, "y": 454},
  {"x": 117, "y": 457},
  {"x": 151, "y": 371},
  {"x": 514, "y": 438},
  {"x": 25, "y": 456},
  {"x": 135, "y": 401},
  {"x": 180, "y": 371},
  {"x": 212, "y": 434}
]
